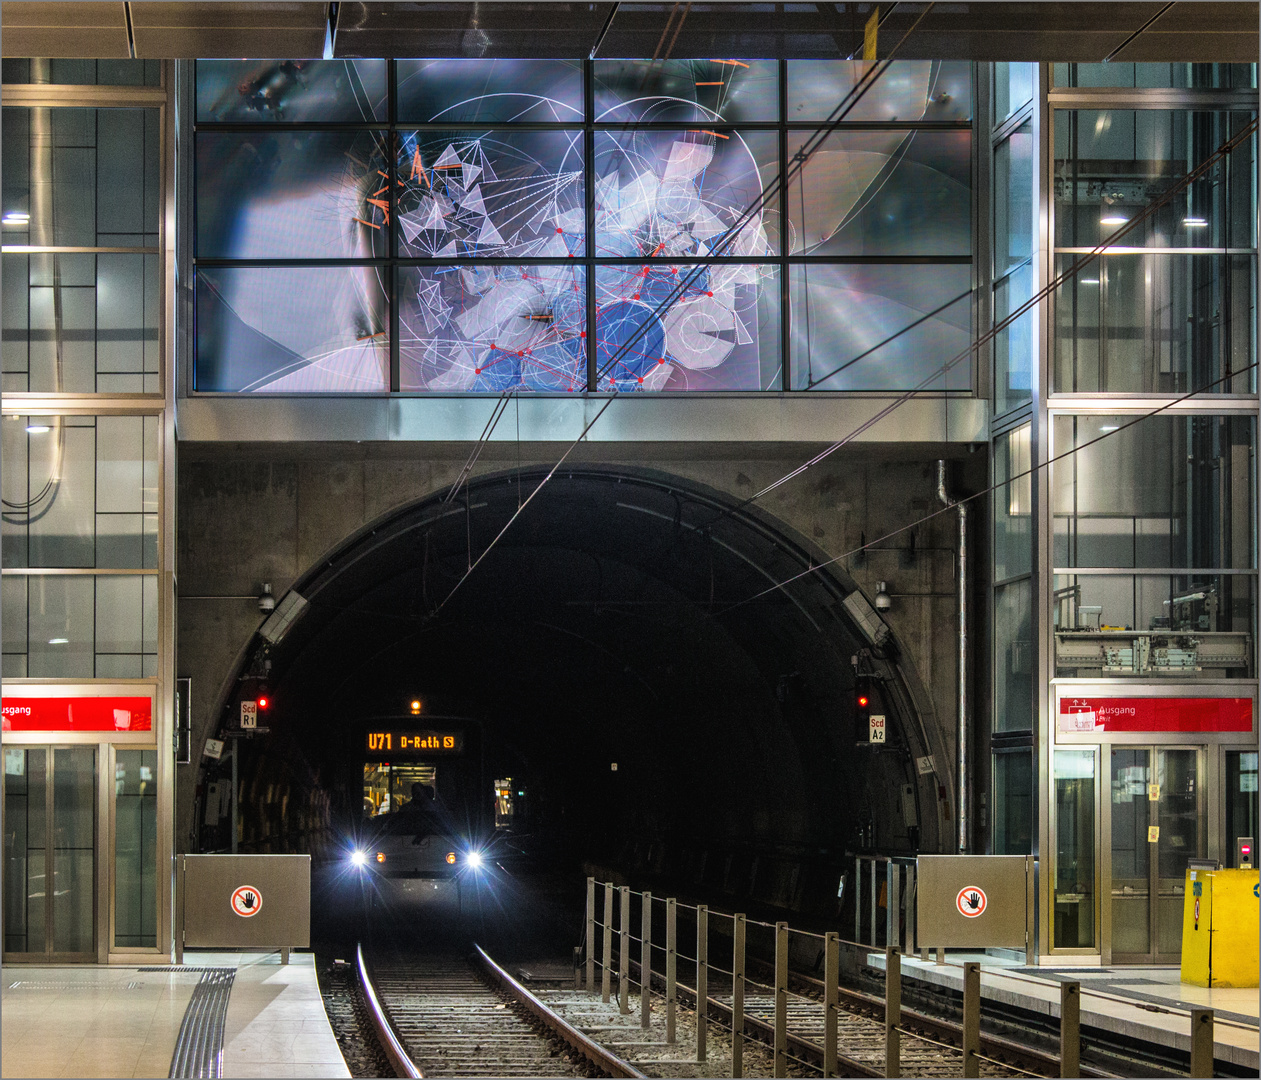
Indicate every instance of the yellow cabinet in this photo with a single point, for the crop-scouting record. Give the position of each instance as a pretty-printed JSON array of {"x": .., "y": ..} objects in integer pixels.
[{"x": 1219, "y": 927}]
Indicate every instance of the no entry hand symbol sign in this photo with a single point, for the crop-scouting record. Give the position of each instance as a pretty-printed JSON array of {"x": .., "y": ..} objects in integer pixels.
[
  {"x": 247, "y": 901},
  {"x": 971, "y": 901}
]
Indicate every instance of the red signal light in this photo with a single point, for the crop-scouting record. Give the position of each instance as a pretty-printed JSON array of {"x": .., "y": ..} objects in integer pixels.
[
  {"x": 862, "y": 701},
  {"x": 263, "y": 702}
]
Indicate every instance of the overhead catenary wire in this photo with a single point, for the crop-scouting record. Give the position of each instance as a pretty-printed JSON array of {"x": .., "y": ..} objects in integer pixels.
[
  {"x": 869, "y": 78},
  {"x": 782, "y": 178},
  {"x": 995, "y": 487}
]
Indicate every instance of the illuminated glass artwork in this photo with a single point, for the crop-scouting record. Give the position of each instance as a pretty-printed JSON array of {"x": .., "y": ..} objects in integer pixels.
[
  {"x": 292, "y": 329},
  {"x": 910, "y": 91},
  {"x": 466, "y": 226},
  {"x": 469, "y": 91},
  {"x": 691, "y": 193},
  {"x": 500, "y": 193},
  {"x": 882, "y": 193},
  {"x": 682, "y": 91},
  {"x": 881, "y": 327},
  {"x": 687, "y": 327},
  {"x": 291, "y": 91},
  {"x": 292, "y": 194},
  {"x": 478, "y": 327}
]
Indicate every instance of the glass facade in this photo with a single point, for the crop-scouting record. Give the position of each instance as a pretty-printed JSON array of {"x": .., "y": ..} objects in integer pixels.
[
  {"x": 87, "y": 499},
  {"x": 481, "y": 226},
  {"x": 1169, "y": 308}
]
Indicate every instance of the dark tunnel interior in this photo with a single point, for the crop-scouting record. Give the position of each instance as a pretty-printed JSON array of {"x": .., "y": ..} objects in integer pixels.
[{"x": 605, "y": 628}]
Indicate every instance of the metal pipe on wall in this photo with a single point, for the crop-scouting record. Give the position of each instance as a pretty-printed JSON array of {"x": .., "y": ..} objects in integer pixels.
[{"x": 961, "y": 735}]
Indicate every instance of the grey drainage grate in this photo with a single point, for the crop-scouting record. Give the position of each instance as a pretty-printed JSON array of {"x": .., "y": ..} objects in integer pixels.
[{"x": 199, "y": 1047}]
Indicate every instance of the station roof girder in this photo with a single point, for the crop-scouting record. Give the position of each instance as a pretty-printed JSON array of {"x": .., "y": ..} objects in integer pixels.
[{"x": 1070, "y": 31}]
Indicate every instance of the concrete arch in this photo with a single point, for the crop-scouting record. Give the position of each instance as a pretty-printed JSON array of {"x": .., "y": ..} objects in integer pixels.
[{"x": 742, "y": 546}]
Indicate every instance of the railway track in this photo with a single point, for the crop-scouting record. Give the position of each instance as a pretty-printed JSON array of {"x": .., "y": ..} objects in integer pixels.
[{"x": 450, "y": 1016}]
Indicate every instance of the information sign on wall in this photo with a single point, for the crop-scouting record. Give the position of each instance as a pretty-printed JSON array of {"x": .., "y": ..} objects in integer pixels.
[
  {"x": 78, "y": 714},
  {"x": 1116, "y": 714}
]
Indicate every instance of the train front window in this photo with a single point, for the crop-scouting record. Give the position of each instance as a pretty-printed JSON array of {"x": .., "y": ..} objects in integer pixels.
[{"x": 388, "y": 788}]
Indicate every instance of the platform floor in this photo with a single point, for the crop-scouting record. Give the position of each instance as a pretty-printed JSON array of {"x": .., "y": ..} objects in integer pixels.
[
  {"x": 1147, "y": 1003},
  {"x": 85, "y": 1020}
]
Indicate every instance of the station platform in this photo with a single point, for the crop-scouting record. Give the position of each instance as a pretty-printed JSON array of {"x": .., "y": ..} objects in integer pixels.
[
  {"x": 1150, "y": 1004},
  {"x": 87, "y": 1020}
]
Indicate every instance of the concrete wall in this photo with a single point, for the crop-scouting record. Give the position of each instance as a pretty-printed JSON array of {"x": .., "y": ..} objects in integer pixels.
[{"x": 250, "y": 514}]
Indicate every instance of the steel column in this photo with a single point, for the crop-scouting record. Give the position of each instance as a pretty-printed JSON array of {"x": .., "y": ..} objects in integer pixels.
[
  {"x": 971, "y": 1019},
  {"x": 645, "y": 962},
  {"x": 737, "y": 995},
  {"x": 702, "y": 979},
  {"x": 590, "y": 934},
  {"x": 607, "y": 952},
  {"x": 781, "y": 999},
  {"x": 831, "y": 982},
  {"x": 672, "y": 958},
  {"x": 1070, "y": 1029},
  {"x": 623, "y": 965},
  {"x": 892, "y": 1012}
]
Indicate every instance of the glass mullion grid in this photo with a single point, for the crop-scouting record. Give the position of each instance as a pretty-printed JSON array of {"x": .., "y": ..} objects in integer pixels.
[{"x": 590, "y": 261}]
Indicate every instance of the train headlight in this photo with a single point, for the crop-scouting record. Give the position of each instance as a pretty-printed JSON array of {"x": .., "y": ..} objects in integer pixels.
[
  {"x": 474, "y": 859},
  {"x": 358, "y": 858}
]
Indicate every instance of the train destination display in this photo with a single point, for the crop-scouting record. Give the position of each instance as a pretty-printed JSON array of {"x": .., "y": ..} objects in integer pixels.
[{"x": 415, "y": 743}]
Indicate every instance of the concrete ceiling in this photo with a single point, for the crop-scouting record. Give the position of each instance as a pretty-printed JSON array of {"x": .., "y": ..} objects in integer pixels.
[{"x": 1083, "y": 32}]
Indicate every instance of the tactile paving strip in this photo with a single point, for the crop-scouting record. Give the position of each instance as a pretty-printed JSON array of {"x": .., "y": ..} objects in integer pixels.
[{"x": 199, "y": 1047}]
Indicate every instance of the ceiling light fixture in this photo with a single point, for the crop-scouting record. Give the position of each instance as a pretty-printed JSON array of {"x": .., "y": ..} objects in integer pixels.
[
  {"x": 1113, "y": 219},
  {"x": 1088, "y": 281},
  {"x": 58, "y": 641},
  {"x": 16, "y": 218},
  {"x": 37, "y": 429},
  {"x": 1109, "y": 427},
  {"x": 1194, "y": 223}
]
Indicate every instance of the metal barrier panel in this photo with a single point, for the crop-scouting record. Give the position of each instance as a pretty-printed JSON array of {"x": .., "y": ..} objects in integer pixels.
[
  {"x": 245, "y": 901},
  {"x": 972, "y": 901}
]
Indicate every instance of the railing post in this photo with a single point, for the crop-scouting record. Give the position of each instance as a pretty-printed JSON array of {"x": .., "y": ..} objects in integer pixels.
[
  {"x": 912, "y": 914},
  {"x": 971, "y": 1019},
  {"x": 1201, "y": 1042},
  {"x": 875, "y": 908},
  {"x": 781, "y": 999},
  {"x": 702, "y": 979},
  {"x": 858, "y": 898},
  {"x": 623, "y": 965},
  {"x": 737, "y": 995},
  {"x": 1070, "y": 1029},
  {"x": 645, "y": 962},
  {"x": 672, "y": 958},
  {"x": 892, "y": 930},
  {"x": 590, "y": 935},
  {"x": 892, "y": 1012},
  {"x": 606, "y": 973},
  {"x": 831, "y": 981}
]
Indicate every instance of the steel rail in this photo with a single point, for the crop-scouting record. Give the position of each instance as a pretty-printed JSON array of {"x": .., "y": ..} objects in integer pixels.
[
  {"x": 383, "y": 1025},
  {"x": 591, "y": 1050}
]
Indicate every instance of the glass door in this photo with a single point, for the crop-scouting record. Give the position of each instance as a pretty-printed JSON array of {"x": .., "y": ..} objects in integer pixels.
[
  {"x": 1158, "y": 825},
  {"x": 1241, "y": 804},
  {"x": 50, "y": 825}
]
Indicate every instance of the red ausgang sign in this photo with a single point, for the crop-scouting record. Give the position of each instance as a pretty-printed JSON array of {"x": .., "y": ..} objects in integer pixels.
[
  {"x": 1155, "y": 714},
  {"x": 78, "y": 714}
]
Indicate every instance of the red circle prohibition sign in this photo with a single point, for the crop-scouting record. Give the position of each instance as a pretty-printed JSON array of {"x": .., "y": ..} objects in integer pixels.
[
  {"x": 247, "y": 901},
  {"x": 971, "y": 901}
]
